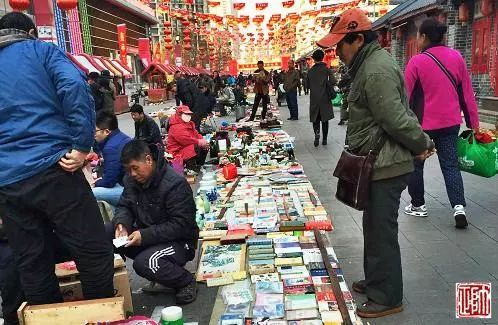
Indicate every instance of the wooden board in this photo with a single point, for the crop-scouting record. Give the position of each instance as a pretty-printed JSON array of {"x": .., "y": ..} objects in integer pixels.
[
  {"x": 64, "y": 273},
  {"x": 73, "y": 313}
]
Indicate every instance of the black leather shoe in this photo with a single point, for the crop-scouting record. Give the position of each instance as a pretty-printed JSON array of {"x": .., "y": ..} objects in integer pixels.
[
  {"x": 341, "y": 122},
  {"x": 317, "y": 140},
  {"x": 370, "y": 309},
  {"x": 324, "y": 142},
  {"x": 360, "y": 287}
]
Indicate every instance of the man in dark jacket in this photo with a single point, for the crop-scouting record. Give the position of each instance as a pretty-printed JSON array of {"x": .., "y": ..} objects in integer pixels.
[
  {"x": 157, "y": 214},
  {"x": 146, "y": 128},
  {"x": 291, "y": 82},
  {"x": 262, "y": 90},
  {"x": 98, "y": 97},
  {"x": 321, "y": 82},
  {"x": 184, "y": 90},
  {"x": 204, "y": 104},
  {"x": 110, "y": 144},
  {"x": 47, "y": 129},
  {"x": 379, "y": 114}
]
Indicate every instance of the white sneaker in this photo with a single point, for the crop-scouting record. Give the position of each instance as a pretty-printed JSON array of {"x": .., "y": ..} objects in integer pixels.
[
  {"x": 460, "y": 217},
  {"x": 420, "y": 211}
]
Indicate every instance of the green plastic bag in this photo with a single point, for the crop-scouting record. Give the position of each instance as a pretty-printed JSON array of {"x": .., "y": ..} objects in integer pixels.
[
  {"x": 477, "y": 158},
  {"x": 337, "y": 101}
]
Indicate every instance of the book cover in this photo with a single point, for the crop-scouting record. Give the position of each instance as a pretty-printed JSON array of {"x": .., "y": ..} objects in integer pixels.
[
  {"x": 288, "y": 261},
  {"x": 320, "y": 279},
  {"x": 269, "y": 287},
  {"x": 300, "y": 301},
  {"x": 302, "y": 314},
  {"x": 299, "y": 289},
  {"x": 266, "y": 277},
  {"x": 297, "y": 281},
  {"x": 292, "y": 269}
]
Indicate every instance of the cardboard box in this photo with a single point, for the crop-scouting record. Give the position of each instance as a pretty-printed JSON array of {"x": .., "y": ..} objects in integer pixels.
[{"x": 71, "y": 290}]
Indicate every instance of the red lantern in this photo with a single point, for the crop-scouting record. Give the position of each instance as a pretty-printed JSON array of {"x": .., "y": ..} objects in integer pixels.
[
  {"x": 167, "y": 32},
  {"x": 168, "y": 39},
  {"x": 67, "y": 4},
  {"x": 187, "y": 39},
  {"x": 167, "y": 24},
  {"x": 187, "y": 47},
  {"x": 463, "y": 12},
  {"x": 186, "y": 32},
  {"x": 185, "y": 23},
  {"x": 19, "y": 5},
  {"x": 168, "y": 46}
]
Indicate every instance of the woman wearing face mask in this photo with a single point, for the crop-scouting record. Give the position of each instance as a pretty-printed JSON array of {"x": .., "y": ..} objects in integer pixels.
[{"x": 184, "y": 141}]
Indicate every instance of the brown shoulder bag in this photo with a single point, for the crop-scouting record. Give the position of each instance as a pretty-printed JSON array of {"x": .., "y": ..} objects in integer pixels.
[{"x": 355, "y": 173}]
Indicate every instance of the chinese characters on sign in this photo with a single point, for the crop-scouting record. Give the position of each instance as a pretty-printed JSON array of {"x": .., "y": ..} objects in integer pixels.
[
  {"x": 473, "y": 300},
  {"x": 122, "y": 43}
]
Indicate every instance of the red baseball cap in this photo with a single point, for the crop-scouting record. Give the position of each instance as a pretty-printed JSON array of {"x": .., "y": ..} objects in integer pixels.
[
  {"x": 350, "y": 21},
  {"x": 183, "y": 109}
]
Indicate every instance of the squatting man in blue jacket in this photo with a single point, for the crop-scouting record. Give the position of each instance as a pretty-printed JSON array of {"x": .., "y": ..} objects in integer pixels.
[{"x": 47, "y": 125}]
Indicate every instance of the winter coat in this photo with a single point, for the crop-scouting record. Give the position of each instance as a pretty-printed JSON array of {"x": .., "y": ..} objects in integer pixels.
[
  {"x": 292, "y": 80},
  {"x": 46, "y": 107},
  {"x": 438, "y": 105},
  {"x": 204, "y": 104},
  {"x": 111, "y": 149},
  {"x": 262, "y": 83},
  {"x": 163, "y": 209},
  {"x": 182, "y": 138},
  {"x": 148, "y": 131},
  {"x": 378, "y": 107},
  {"x": 108, "y": 99},
  {"x": 184, "y": 91},
  {"x": 320, "y": 81}
]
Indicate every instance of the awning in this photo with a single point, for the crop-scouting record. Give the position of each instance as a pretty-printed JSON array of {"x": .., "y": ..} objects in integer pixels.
[
  {"x": 108, "y": 65},
  {"x": 125, "y": 71},
  {"x": 160, "y": 67},
  {"x": 83, "y": 63}
]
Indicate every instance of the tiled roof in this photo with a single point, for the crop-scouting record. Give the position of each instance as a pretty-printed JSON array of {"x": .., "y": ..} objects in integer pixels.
[{"x": 404, "y": 9}]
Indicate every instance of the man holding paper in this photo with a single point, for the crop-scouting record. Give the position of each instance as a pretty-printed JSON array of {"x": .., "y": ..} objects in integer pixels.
[{"x": 156, "y": 213}]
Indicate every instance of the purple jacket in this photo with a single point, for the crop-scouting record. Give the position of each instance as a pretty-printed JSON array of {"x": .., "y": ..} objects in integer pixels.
[{"x": 438, "y": 100}]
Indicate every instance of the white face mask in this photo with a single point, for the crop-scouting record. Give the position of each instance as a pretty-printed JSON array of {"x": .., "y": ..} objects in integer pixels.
[{"x": 186, "y": 118}]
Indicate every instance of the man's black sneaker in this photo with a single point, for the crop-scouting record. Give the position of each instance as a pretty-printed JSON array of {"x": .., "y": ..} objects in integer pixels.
[{"x": 187, "y": 294}]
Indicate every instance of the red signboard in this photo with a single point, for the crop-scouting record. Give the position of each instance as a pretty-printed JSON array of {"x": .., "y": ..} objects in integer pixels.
[
  {"x": 122, "y": 43},
  {"x": 239, "y": 5},
  {"x": 144, "y": 48}
]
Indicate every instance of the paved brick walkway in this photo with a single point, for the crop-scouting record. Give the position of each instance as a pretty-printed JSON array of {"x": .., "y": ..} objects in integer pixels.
[{"x": 435, "y": 255}]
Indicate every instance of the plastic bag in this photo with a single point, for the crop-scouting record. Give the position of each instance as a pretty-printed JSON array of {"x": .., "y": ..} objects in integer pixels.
[
  {"x": 476, "y": 158},
  {"x": 337, "y": 101}
]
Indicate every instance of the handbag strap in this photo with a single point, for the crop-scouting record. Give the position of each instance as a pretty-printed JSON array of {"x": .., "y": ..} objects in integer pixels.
[{"x": 443, "y": 68}]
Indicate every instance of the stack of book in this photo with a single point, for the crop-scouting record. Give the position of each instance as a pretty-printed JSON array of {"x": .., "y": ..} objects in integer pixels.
[{"x": 261, "y": 256}]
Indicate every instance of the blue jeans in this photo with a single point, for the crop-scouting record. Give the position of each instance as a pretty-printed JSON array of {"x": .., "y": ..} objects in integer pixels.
[
  {"x": 109, "y": 195},
  {"x": 446, "y": 146},
  {"x": 291, "y": 97}
]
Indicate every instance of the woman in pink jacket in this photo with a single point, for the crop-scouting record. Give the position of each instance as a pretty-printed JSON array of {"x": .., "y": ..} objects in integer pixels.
[{"x": 439, "y": 89}]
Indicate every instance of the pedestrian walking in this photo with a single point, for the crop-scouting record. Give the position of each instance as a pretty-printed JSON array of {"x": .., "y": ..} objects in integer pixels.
[
  {"x": 262, "y": 80},
  {"x": 48, "y": 128},
  {"x": 305, "y": 82},
  {"x": 431, "y": 77},
  {"x": 291, "y": 83},
  {"x": 379, "y": 117},
  {"x": 321, "y": 82}
]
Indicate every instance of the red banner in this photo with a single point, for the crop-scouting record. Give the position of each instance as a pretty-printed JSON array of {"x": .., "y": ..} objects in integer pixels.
[
  {"x": 258, "y": 19},
  {"x": 261, "y": 6},
  {"x": 239, "y": 6},
  {"x": 144, "y": 49},
  {"x": 122, "y": 43},
  {"x": 288, "y": 4}
]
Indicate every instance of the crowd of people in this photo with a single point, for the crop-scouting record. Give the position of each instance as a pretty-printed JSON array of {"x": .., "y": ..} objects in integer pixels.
[{"x": 52, "y": 123}]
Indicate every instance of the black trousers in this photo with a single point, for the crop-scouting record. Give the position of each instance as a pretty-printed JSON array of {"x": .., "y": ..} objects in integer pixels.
[
  {"x": 10, "y": 285},
  {"x": 325, "y": 127},
  {"x": 257, "y": 100},
  {"x": 162, "y": 263},
  {"x": 382, "y": 257},
  {"x": 64, "y": 202}
]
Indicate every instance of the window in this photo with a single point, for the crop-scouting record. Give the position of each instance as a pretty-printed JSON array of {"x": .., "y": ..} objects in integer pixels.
[{"x": 480, "y": 45}]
